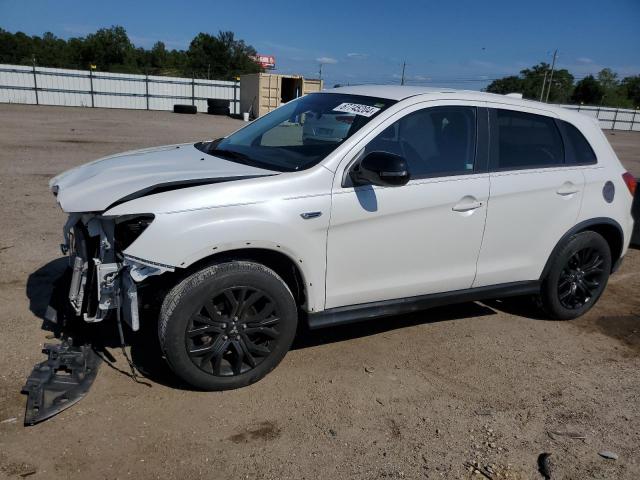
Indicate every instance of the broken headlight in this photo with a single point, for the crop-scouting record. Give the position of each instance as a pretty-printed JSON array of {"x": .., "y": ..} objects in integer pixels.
[{"x": 128, "y": 228}]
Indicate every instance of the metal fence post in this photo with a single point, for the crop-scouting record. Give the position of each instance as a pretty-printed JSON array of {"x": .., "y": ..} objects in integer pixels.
[
  {"x": 146, "y": 88},
  {"x": 91, "y": 86},
  {"x": 633, "y": 119},
  {"x": 615, "y": 116},
  {"x": 35, "y": 83},
  {"x": 193, "y": 90},
  {"x": 236, "y": 107}
]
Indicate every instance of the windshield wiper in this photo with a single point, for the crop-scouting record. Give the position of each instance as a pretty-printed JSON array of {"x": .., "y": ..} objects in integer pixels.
[
  {"x": 240, "y": 158},
  {"x": 223, "y": 152}
]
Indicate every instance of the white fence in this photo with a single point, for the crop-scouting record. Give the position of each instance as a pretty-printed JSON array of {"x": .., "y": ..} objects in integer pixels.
[
  {"x": 611, "y": 118},
  {"x": 85, "y": 88}
]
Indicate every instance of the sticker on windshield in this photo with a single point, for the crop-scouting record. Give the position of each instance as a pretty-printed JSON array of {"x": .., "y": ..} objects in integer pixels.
[{"x": 357, "y": 108}]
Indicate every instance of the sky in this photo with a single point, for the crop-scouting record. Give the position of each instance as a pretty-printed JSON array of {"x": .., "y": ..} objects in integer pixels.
[{"x": 454, "y": 43}]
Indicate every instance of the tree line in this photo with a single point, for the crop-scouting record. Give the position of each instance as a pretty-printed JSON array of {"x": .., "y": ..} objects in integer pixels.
[
  {"x": 110, "y": 50},
  {"x": 605, "y": 88}
]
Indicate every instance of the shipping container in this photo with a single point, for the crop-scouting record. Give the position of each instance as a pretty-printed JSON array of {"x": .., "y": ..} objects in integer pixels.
[{"x": 261, "y": 93}]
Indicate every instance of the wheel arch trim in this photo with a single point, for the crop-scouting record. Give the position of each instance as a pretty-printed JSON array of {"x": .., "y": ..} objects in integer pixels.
[
  {"x": 258, "y": 252},
  {"x": 588, "y": 225}
]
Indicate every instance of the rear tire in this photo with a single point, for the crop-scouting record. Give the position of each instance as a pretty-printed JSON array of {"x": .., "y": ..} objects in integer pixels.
[
  {"x": 228, "y": 325},
  {"x": 578, "y": 275}
]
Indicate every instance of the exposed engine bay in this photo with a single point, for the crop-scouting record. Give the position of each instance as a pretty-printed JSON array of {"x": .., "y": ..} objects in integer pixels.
[{"x": 104, "y": 278}]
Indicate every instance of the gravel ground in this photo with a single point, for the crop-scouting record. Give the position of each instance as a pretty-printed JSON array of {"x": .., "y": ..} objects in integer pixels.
[{"x": 414, "y": 396}]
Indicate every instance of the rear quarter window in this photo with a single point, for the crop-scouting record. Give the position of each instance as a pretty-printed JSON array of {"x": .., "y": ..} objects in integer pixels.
[{"x": 578, "y": 149}]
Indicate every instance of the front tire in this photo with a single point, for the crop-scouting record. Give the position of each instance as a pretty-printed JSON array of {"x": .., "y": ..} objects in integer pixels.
[
  {"x": 578, "y": 275},
  {"x": 228, "y": 325}
]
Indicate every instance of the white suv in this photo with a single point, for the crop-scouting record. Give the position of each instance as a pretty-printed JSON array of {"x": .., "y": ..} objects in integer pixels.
[{"x": 408, "y": 198}]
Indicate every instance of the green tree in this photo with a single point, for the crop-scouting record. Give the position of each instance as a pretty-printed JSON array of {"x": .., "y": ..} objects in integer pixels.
[
  {"x": 614, "y": 94},
  {"x": 159, "y": 56},
  {"x": 631, "y": 89},
  {"x": 530, "y": 81},
  {"x": 512, "y": 84},
  {"x": 220, "y": 57},
  {"x": 110, "y": 50},
  {"x": 588, "y": 90}
]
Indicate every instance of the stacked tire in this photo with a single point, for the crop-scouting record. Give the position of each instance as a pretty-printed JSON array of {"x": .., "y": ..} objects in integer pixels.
[
  {"x": 191, "y": 109},
  {"x": 216, "y": 106}
]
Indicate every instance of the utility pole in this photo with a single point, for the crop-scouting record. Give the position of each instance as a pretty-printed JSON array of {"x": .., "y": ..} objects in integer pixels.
[
  {"x": 553, "y": 65},
  {"x": 544, "y": 82},
  {"x": 404, "y": 64}
]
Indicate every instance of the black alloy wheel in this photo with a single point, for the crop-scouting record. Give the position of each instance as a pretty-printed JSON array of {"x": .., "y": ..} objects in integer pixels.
[
  {"x": 227, "y": 325},
  {"x": 577, "y": 276},
  {"x": 581, "y": 279},
  {"x": 234, "y": 331}
]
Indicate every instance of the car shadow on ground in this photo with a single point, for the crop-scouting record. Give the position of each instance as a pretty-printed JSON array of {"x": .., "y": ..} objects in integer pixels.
[{"x": 47, "y": 290}]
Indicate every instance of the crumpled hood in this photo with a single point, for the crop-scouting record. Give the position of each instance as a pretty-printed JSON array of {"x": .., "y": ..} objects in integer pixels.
[{"x": 97, "y": 185}]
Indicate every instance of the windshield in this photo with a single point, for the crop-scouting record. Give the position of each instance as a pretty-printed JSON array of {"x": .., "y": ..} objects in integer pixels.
[{"x": 301, "y": 133}]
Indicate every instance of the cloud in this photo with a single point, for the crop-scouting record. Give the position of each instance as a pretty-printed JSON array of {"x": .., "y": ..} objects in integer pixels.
[
  {"x": 358, "y": 56},
  {"x": 584, "y": 60},
  {"x": 326, "y": 60}
]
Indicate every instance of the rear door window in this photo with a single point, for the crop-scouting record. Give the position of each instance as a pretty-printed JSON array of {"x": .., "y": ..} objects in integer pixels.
[{"x": 523, "y": 140}]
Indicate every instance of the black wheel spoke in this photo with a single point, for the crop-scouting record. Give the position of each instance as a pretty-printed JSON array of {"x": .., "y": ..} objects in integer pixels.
[
  {"x": 262, "y": 315},
  {"x": 565, "y": 294},
  {"x": 256, "y": 349},
  {"x": 194, "y": 332},
  {"x": 217, "y": 345},
  {"x": 213, "y": 312},
  {"x": 248, "y": 303},
  {"x": 269, "y": 332},
  {"x": 234, "y": 331},
  {"x": 239, "y": 358},
  {"x": 247, "y": 354},
  {"x": 591, "y": 284}
]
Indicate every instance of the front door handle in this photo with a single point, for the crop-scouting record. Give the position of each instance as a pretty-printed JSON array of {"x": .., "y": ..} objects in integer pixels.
[
  {"x": 467, "y": 204},
  {"x": 567, "y": 188}
]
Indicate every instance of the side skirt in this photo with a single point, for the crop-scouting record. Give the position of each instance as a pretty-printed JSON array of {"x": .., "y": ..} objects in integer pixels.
[{"x": 385, "y": 308}]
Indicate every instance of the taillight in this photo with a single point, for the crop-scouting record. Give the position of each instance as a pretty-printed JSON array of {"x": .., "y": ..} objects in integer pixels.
[{"x": 631, "y": 182}]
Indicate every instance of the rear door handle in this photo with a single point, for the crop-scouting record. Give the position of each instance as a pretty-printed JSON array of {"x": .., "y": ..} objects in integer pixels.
[
  {"x": 467, "y": 204},
  {"x": 567, "y": 188}
]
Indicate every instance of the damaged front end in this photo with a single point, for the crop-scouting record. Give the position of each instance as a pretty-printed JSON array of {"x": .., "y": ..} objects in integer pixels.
[
  {"x": 104, "y": 278},
  {"x": 104, "y": 283}
]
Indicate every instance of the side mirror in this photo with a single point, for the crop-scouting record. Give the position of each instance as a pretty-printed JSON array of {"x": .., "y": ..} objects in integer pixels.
[{"x": 381, "y": 168}]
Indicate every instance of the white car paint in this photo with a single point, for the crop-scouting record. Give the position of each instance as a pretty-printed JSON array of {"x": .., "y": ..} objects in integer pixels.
[
  {"x": 411, "y": 243},
  {"x": 97, "y": 185}
]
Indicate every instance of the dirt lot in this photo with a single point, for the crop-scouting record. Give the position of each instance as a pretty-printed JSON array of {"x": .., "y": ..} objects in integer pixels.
[{"x": 415, "y": 396}]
